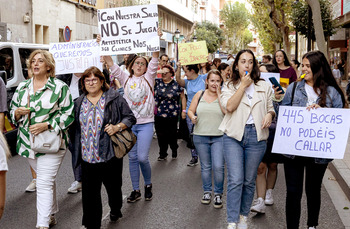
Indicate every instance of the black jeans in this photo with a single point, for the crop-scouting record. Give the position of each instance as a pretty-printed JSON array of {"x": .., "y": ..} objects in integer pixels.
[
  {"x": 93, "y": 175},
  {"x": 294, "y": 174},
  {"x": 166, "y": 129}
]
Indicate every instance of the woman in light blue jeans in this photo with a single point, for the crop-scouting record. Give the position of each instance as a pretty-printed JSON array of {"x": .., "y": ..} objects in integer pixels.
[
  {"x": 206, "y": 113},
  {"x": 249, "y": 112}
]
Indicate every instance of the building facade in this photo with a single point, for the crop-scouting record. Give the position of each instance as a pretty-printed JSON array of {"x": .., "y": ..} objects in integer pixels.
[{"x": 339, "y": 43}]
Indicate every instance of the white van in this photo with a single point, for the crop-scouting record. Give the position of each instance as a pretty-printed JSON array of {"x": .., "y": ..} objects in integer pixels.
[{"x": 13, "y": 70}]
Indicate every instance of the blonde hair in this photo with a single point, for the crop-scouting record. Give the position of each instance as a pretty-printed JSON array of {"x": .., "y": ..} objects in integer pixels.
[
  {"x": 48, "y": 59},
  {"x": 4, "y": 145}
]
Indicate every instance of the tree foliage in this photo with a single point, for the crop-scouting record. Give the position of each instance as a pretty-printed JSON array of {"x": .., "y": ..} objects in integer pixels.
[
  {"x": 235, "y": 17},
  {"x": 300, "y": 19},
  {"x": 211, "y": 33},
  {"x": 268, "y": 35},
  {"x": 279, "y": 13}
]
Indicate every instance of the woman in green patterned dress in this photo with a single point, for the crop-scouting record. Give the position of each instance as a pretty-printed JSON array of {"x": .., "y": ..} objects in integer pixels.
[{"x": 49, "y": 103}]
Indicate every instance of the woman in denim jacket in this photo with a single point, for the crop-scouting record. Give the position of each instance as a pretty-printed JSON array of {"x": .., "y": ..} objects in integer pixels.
[{"x": 317, "y": 89}]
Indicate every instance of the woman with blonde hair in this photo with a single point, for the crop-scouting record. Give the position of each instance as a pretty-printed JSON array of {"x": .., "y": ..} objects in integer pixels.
[{"x": 42, "y": 103}]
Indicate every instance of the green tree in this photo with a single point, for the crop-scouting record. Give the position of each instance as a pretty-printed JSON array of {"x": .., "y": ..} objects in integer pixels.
[
  {"x": 300, "y": 19},
  {"x": 279, "y": 13},
  {"x": 270, "y": 37},
  {"x": 235, "y": 17},
  {"x": 211, "y": 33}
]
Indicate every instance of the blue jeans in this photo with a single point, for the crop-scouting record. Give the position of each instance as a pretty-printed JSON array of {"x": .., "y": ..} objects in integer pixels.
[
  {"x": 138, "y": 155},
  {"x": 242, "y": 160},
  {"x": 210, "y": 150},
  {"x": 189, "y": 125}
]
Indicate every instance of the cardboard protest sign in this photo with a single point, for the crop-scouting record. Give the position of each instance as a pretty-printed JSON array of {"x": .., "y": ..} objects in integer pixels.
[
  {"x": 193, "y": 53},
  {"x": 321, "y": 133},
  {"x": 130, "y": 29},
  {"x": 75, "y": 57}
]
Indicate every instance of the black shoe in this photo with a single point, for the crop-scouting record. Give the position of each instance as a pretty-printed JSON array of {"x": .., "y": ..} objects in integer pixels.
[
  {"x": 193, "y": 162},
  {"x": 148, "y": 192},
  {"x": 174, "y": 154},
  {"x": 161, "y": 158},
  {"x": 134, "y": 196},
  {"x": 114, "y": 218}
]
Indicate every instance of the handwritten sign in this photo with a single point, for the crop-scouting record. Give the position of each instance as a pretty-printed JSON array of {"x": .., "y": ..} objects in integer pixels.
[
  {"x": 193, "y": 53},
  {"x": 321, "y": 133},
  {"x": 75, "y": 57},
  {"x": 130, "y": 29}
]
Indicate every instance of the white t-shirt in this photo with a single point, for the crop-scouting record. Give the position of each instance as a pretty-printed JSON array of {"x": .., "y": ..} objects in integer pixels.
[
  {"x": 74, "y": 86},
  {"x": 3, "y": 160},
  {"x": 311, "y": 95},
  {"x": 249, "y": 92}
]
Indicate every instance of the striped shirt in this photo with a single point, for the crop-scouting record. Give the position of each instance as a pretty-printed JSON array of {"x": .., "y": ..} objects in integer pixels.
[
  {"x": 51, "y": 103},
  {"x": 91, "y": 121}
]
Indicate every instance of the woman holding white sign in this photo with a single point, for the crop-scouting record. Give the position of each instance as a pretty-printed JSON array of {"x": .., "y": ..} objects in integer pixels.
[
  {"x": 317, "y": 89},
  {"x": 249, "y": 113},
  {"x": 138, "y": 92}
]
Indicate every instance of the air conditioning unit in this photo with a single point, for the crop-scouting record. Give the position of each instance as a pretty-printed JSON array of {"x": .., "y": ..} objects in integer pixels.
[{"x": 26, "y": 19}]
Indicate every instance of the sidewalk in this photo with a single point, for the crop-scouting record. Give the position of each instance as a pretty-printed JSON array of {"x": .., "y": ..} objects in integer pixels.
[{"x": 341, "y": 168}]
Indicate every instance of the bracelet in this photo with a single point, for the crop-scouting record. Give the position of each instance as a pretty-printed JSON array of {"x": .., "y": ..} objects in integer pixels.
[
  {"x": 120, "y": 128},
  {"x": 184, "y": 111}
]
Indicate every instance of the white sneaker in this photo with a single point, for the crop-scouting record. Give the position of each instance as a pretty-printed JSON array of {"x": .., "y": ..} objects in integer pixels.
[
  {"x": 243, "y": 222},
  {"x": 269, "y": 197},
  {"x": 312, "y": 227},
  {"x": 75, "y": 187},
  {"x": 32, "y": 186},
  {"x": 259, "y": 206},
  {"x": 232, "y": 226}
]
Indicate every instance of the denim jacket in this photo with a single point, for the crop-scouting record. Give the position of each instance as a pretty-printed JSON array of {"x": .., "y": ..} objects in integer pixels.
[{"x": 300, "y": 100}]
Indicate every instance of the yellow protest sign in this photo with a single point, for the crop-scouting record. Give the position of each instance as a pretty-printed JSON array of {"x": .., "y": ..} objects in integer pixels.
[{"x": 193, "y": 53}]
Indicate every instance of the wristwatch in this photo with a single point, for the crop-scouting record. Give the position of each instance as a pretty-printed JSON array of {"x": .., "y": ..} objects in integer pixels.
[{"x": 120, "y": 128}]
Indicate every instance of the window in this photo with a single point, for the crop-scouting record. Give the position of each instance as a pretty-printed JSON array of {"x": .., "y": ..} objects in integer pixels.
[{"x": 6, "y": 64}]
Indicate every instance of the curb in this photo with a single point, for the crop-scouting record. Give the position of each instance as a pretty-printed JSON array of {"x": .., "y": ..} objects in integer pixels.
[{"x": 341, "y": 173}]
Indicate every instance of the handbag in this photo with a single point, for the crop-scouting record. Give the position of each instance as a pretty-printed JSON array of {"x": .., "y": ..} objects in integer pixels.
[
  {"x": 123, "y": 142},
  {"x": 47, "y": 141}
]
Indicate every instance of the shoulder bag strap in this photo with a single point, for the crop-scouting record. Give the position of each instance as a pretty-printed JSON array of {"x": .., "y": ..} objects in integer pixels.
[
  {"x": 293, "y": 91},
  {"x": 200, "y": 97}
]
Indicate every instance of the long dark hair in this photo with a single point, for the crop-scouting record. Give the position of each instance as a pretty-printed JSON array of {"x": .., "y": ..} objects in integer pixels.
[
  {"x": 254, "y": 75},
  {"x": 286, "y": 61},
  {"x": 322, "y": 76}
]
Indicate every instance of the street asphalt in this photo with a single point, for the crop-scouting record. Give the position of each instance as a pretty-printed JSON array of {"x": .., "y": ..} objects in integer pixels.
[{"x": 176, "y": 203}]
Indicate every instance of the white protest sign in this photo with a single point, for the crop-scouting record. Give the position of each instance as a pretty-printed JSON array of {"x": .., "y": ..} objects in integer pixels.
[
  {"x": 267, "y": 75},
  {"x": 320, "y": 133},
  {"x": 76, "y": 56},
  {"x": 127, "y": 30}
]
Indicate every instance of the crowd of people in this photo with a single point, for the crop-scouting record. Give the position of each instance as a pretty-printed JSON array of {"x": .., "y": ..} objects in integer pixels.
[{"x": 230, "y": 112}]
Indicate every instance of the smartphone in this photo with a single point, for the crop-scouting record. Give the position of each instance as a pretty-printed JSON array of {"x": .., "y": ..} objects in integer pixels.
[{"x": 276, "y": 84}]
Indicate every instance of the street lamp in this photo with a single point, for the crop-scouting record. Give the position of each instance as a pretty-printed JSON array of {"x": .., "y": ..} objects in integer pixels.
[{"x": 177, "y": 36}]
